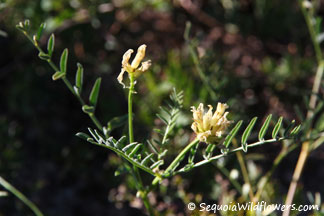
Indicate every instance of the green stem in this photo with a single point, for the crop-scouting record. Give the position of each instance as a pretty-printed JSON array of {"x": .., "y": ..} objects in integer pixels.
[
  {"x": 130, "y": 108},
  {"x": 136, "y": 175},
  {"x": 176, "y": 161},
  {"x": 226, "y": 173},
  {"x": 202, "y": 75},
  {"x": 245, "y": 173},
  {"x": 195, "y": 60},
  {"x": 312, "y": 32},
  {"x": 67, "y": 83},
  {"x": 265, "y": 179},
  {"x": 203, "y": 162},
  {"x": 147, "y": 203},
  {"x": 306, "y": 148},
  {"x": 95, "y": 121},
  {"x": 20, "y": 196},
  {"x": 135, "y": 171}
]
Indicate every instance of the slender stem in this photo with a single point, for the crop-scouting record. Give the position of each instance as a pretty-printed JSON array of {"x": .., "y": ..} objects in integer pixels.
[
  {"x": 95, "y": 121},
  {"x": 147, "y": 203},
  {"x": 133, "y": 171},
  {"x": 137, "y": 177},
  {"x": 203, "y": 162},
  {"x": 265, "y": 179},
  {"x": 130, "y": 108},
  {"x": 195, "y": 59},
  {"x": 297, "y": 173},
  {"x": 66, "y": 82},
  {"x": 200, "y": 72},
  {"x": 245, "y": 173},
  {"x": 175, "y": 162},
  {"x": 310, "y": 25},
  {"x": 315, "y": 90},
  {"x": 167, "y": 130},
  {"x": 20, "y": 196},
  {"x": 312, "y": 104},
  {"x": 226, "y": 173}
]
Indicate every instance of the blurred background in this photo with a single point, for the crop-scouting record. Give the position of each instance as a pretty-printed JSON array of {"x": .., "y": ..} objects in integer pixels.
[{"x": 255, "y": 55}]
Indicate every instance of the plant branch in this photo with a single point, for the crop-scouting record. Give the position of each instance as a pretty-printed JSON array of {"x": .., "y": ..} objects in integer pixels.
[
  {"x": 66, "y": 82},
  {"x": 20, "y": 196},
  {"x": 137, "y": 177},
  {"x": 176, "y": 161},
  {"x": 203, "y": 162},
  {"x": 226, "y": 173},
  {"x": 195, "y": 60},
  {"x": 312, "y": 104},
  {"x": 265, "y": 179},
  {"x": 130, "y": 108},
  {"x": 245, "y": 173}
]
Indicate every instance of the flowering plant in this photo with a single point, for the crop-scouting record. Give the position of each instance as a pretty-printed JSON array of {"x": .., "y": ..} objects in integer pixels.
[{"x": 215, "y": 136}]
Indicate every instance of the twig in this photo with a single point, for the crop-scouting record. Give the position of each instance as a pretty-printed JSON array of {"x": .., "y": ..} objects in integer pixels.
[
  {"x": 265, "y": 179},
  {"x": 245, "y": 173},
  {"x": 66, "y": 82},
  {"x": 20, "y": 196},
  {"x": 226, "y": 173},
  {"x": 312, "y": 104},
  {"x": 196, "y": 62}
]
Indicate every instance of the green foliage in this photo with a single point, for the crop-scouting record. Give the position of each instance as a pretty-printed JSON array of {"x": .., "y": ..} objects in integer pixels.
[
  {"x": 50, "y": 45},
  {"x": 127, "y": 151},
  {"x": 93, "y": 98},
  {"x": 232, "y": 134},
  {"x": 58, "y": 75},
  {"x": 168, "y": 115},
  {"x": 247, "y": 133},
  {"x": 208, "y": 68},
  {"x": 79, "y": 79},
  {"x": 115, "y": 122},
  {"x": 63, "y": 61},
  {"x": 88, "y": 109},
  {"x": 209, "y": 151},
  {"x": 40, "y": 31},
  {"x": 277, "y": 128},
  {"x": 264, "y": 127}
]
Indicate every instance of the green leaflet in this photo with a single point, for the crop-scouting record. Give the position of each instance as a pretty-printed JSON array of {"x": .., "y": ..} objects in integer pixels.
[
  {"x": 264, "y": 127},
  {"x": 44, "y": 56},
  {"x": 295, "y": 131},
  {"x": 58, "y": 75},
  {"x": 289, "y": 129},
  {"x": 277, "y": 128},
  {"x": 248, "y": 130},
  {"x": 40, "y": 31},
  {"x": 135, "y": 149},
  {"x": 79, "y": 78},
  {"x": 88, "y": 109},
  {"x": 247, "y": 133},
  {"x": 63, "y": 61},
  {"x": 93, "y": 98},
  {"x": 50, "y": 45},
  {"x": 82, "y": 135},
  {"x": 231, "y": 135}
]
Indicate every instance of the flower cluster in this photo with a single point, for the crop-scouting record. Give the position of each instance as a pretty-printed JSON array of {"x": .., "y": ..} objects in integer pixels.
[
  {"x": 133, "y": 69},
  {"x": 210, "y": 127}
]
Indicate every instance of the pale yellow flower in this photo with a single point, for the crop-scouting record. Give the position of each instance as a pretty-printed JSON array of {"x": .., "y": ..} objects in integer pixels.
[
  {"x": 133, "y": 68},
  {"x": 210, "y": 126}
]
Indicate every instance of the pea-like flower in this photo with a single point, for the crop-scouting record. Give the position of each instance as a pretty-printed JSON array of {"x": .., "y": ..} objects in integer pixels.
[
  {"x": 210, "y": 126},
  {"x": 133, "y": 69}
]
